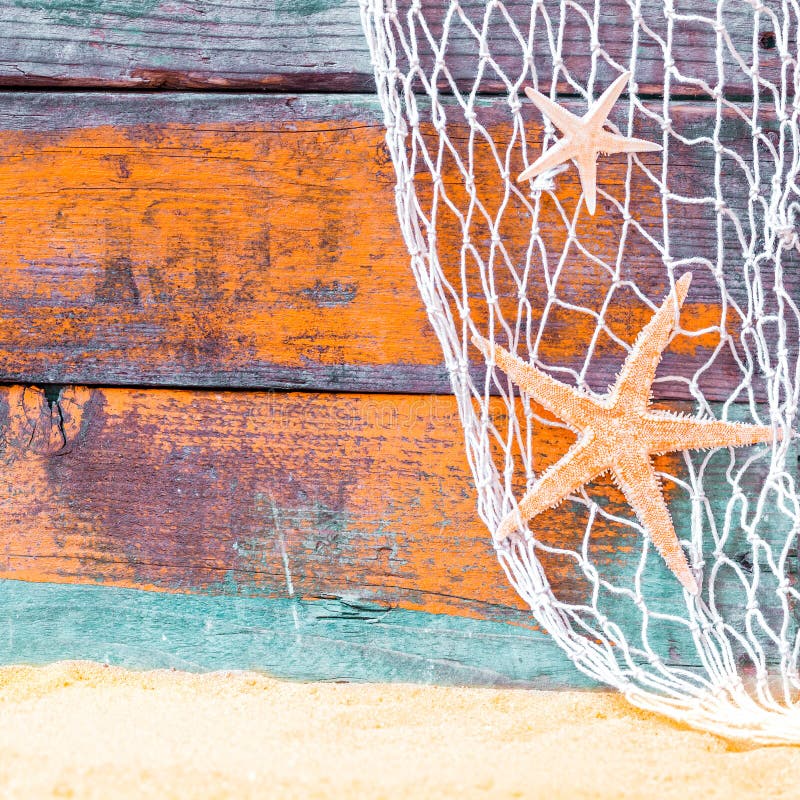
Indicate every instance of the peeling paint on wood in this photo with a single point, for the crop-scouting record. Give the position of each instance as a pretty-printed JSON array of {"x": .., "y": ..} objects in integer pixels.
[
  {"x": 289, "y": 495},
  {"x": 252, "y": 242},
  {"x": 318, "y": 640},
  {"x": 247, "y": 241},
  {"x": 308, "y": 45}
]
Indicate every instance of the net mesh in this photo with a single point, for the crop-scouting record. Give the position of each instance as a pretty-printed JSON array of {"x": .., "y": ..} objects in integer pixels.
[{"x": 716, "y": 84}]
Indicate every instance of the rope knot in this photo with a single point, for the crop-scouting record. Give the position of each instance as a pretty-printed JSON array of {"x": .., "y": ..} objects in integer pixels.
[
  {"x": 784, "y": 230},
  {"x": 789, "y": 236}
]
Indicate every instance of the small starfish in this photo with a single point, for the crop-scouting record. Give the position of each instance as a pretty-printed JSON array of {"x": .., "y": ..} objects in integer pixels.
[
  {"x": 619, "y": 432},
  {"x": 584, "y": 139}
]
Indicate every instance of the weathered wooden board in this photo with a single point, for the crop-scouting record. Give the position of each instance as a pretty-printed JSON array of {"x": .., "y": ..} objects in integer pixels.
[
  {"x": 245, "y": 241},
  {"x": 318, "y": 44},
  {"x": 201, "y": 491},
  {"x": 236, "y": 240},
  {"x": 329, "y": 639},
  {"x": 362, "y": 497}
]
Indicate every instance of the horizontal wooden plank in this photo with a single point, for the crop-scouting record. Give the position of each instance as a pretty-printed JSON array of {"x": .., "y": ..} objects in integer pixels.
[
  {"x": 571, "y": 40},
  {"x": 245, "y": 241},
  {"x": 328, "y": 640},
  {"x": 286, "y": 44},
  {"x": 198, "y": 491},
  {"x": 307, "y": 45},
  {"x": 361, "y": 497}
]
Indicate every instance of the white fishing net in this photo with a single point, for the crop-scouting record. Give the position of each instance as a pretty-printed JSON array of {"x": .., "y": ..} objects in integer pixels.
[{"x": 717, "y": 84}]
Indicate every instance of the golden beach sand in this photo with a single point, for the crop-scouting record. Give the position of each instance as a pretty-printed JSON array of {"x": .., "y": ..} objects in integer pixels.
[{"x": 87, "y": 731}]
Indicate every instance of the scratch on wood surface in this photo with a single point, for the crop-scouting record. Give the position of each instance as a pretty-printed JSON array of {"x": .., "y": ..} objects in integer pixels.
[{"x": 287, "y": 571}]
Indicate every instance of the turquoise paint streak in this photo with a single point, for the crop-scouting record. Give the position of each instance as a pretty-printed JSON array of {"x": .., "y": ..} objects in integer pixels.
[
  {"x": 306, "y": 640},
  {"x": 76, "y": 12},
  {"x": 305, "y": 8}
]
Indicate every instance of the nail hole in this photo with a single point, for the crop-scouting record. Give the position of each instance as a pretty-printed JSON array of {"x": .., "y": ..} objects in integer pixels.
[
  {"x": 744, "y": 560},
  {"x": 767, "y": 40}
]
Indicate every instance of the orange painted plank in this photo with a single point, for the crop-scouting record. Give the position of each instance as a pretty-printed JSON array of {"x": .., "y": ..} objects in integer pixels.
[
  {"x": 360, "y": 496},
  {"x": 201, "y": 491},
  {"x": 246, "y": 241}
]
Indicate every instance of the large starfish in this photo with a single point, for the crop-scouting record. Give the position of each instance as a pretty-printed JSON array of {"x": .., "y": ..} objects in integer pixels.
[
  {"x": 619, "y": 432},
  {"x": 584, "y": 139}
]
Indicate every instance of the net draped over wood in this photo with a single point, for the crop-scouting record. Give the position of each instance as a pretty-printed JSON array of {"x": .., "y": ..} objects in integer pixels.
[{"x": 717, "y": 85}]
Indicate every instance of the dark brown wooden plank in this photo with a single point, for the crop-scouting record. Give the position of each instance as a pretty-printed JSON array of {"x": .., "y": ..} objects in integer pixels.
[
  {"x": 562, "y": 34},
  {"x": 306, "y": 45},
  {"x": 366, "y": 497},
  {"x": 245, "y": 241}
]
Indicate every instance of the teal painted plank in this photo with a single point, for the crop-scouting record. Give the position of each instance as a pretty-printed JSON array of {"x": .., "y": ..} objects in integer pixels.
[
  {"x": 319, "y": 640},
  {"x": 662, "y": 594}
]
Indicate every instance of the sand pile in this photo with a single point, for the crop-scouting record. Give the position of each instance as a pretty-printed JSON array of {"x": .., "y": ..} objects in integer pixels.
[{"x": 83, "y": 730}]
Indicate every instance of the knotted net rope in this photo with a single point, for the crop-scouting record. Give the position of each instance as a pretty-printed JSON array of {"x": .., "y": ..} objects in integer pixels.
[{"x": 717, "y": 84}]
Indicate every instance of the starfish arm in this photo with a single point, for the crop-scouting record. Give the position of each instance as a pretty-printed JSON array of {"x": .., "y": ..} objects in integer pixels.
[
  {"x": 639, "y": 370},
  {"x": 642, "y": 489},
  {"x": 599, "y": 112},
  {"x": 564, "y": 120},
  {"x": 612, "y": 143},
  {"x": 581, "y": 463},
  {"x": 587, "y": 169},
  {"x": 566, "y": 402},
  {"x": 560, "y": 152},
  {"x": 668, "y": 432}
]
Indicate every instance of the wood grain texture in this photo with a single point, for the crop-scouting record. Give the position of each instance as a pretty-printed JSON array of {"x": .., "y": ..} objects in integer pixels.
[
  {"x": 244, "y": 241},
  {"x": 283, "y": 44},
  {"x": 308, "y": 45},
  {"x": 362, "y": 497},
  {"x": 329, "y": 640},
  {"x": 202, "y": 491},
  {"x": 236, "y": 240}
]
